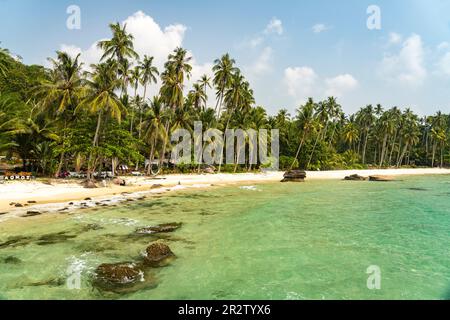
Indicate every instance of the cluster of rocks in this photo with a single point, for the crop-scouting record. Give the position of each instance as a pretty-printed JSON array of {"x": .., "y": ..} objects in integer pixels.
[
  {"x": 127, "y": 277},
  {"x": 356, "y": 177},
  {"x": 294, "y": 176}
]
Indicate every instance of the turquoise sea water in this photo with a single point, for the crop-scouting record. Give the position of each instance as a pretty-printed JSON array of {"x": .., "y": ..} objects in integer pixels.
[{"x": 275, "y": 241}]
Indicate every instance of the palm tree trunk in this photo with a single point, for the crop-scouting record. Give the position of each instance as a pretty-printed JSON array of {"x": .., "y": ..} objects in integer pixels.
[
  {"x": 314, "y": 149},
  {"x": 383, "y": 150},
  {"x": 298, "y": 150},
  {"x": 94, "y": 144},
  {"x": 366, "y": 138}
]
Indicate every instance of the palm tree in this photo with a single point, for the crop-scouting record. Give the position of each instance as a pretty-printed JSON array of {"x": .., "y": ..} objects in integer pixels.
[
  {"x": 120, "y": 46},
  {"x": 177, "y": 69},
  {"x": 351, "y": 133},
  {"x": 101, "y": 100},
  {"x": 135, "y": 78},
  {"x": 305, "y": 118},
  {"x": 63, "y": 90},
  {"x": 223, "y": 71},
  {"x": 238, "y": 97},
  {"x": 198, "y": 96},
  {"x": 205, "y": 82},
  {"x": 155, "y": 129}
]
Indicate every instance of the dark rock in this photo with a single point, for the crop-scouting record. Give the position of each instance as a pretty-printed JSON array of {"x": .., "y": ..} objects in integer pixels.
[
  {"x": 32, "y": 214},
  {"x": 32, "y": 201},
  {"x": 15, "y": 242},
  {"x": 294, "y": 176},
  {"x": 87, "y": 199},
  {"x": 54, "y": 238},
  {"x": 70, "y": 203},
  {"x": 381, "y": 178},
  {"x": 156, "y": 186},
  {"x": 355, "y": 177},
  {"x": 63, "y": 209},
  {"x": 160, "y": 228},
  {"x": 18, "y": 205},
  {"x": 2, "y": 213},
  {"x": 110, "y": 276},
  {"x": 12, "y": 260},
  {"x": 12, "y": 203},
  {"x": 158, "y": 254}
]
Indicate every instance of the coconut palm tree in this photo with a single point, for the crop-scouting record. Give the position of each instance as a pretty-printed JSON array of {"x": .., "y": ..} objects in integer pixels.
[
  {"x": 205, "y": 83},
  {"x": 305, "y": 118},
  {"x": 198, "y": 96},
  {"x": 223, "y": 72},
  {"x": 101, "y": 100},
  {"x": 63, "y": 91},
  {"x": 120, "y": 46},
  {"x": 155, "y": 129}
]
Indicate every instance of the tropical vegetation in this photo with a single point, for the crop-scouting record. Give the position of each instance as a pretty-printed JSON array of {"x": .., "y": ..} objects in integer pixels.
[{"x": 73, "y": 117}]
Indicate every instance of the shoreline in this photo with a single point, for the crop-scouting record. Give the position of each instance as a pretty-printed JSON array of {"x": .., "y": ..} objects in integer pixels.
[{"x": 54, "y": 197}]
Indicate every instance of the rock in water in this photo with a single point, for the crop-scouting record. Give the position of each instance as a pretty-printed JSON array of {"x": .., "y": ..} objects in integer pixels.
[
  {"x": 111, "y": 276},
  {"x": 158, "y": 254},
  {"x": 161, "y": 228},
  {"x": 355, "y": 177},
  {"x": 381, "y": 178},
  {"x": 294, "y": 176}
]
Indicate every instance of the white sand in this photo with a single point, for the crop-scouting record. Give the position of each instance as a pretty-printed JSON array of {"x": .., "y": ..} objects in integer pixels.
[{"x": 61, "y": 192}]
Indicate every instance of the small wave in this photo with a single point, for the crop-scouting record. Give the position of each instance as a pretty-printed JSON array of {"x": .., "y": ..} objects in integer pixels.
[{"x": 249, "y": 188}]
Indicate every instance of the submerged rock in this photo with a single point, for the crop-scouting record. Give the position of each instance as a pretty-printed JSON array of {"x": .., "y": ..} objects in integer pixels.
[
  {"x": 12, "y": 260},
  {"x": 381, "y": 178},
  {"x": 18, "y": 205},
  {"x": 294, "y": 176},
  {"x": 161, "y": 228},
  {"x": 54, "y": 238},
  {"x": 118, "y": 277},
  {"x": 158, "y": 254},
  {"x": 355, "y": 177},
  {"x": 31, "y": 214}
]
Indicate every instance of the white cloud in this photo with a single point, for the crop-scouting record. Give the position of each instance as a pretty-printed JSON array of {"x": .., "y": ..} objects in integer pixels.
[
  {"x": 395, "y": 38},
  {"x": 340, "y": 84},
  {"x": 303, "y": 82},
  {"x": 263, "y": 63},
  {"x": 407, "y": 66},
  {"x": 256, "y": 41},
  {"x": 300, "y": 82},
  {"x": 443, "y": 45},
  {"x": 320, "y": 27},
  {"x": 149, "y": 39},
  {"x": 275, "y": 26}
]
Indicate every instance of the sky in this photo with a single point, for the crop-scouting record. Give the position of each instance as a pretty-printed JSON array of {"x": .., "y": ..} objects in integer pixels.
[{"x": 289, "y": 50}]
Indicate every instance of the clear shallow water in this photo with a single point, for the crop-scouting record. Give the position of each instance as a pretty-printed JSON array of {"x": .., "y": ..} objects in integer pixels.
[{"x": 281, "y": 241}]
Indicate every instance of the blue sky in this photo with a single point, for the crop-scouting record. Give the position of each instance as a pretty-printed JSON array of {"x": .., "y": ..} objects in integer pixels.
[{"x": 288, "y": 49}]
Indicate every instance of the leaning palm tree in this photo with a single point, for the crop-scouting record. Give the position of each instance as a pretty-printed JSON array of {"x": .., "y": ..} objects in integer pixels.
[
  {"x": 101, "y": 100},
  {"x": 305, "y": 117},
  {"x": 63, "y": 91},
  {"x": 177, "y": 70},
  {"x": 223, "y": 72},
  {"x": 155, "y": 130}
]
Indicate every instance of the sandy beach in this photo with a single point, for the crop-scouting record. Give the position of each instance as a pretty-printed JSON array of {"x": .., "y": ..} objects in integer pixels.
[{"x": 57, "y": 193}]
